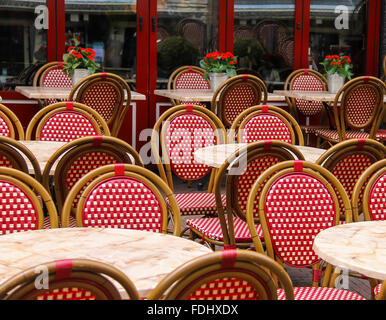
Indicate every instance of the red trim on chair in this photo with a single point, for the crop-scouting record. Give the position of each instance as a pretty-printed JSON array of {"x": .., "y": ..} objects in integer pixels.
[
  {"x": 306, "y": 71},
  {"x": 268, "y": 144},
  {"x": 366, "y": 79},
  {"x": 298, "y": 165},
  {"x": 69, "y": 105},
  {"x": 63, "y": 269},
  {"x": 60, "y": 65},
  {"x": 245, "y": 77},
  {"x": 104, "y": 75},
  {"x": 97, "y": 140},
  {"x": 189, "y": 108},
  {"x": 190, "y": 68},
  {"x": 119, "y": 169},
  {"x": 264, "y": 108},
  {"x": 229, "y": 246},
  {"x": 228, "y": 258},
  {"x": 361, "y": 143},
  {"x": 316, "y": 275}
]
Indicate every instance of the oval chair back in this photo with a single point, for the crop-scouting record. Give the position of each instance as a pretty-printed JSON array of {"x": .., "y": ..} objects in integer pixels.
[{"x": 10, "y": 125}]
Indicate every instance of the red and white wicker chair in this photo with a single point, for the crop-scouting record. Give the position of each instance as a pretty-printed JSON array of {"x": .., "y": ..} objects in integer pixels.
[
  {"x": 188, "y": 77},
  {"x": 186, "y": 128},
  {"x": 358, "y": 110},
  {"x": 65, "y": 121},
  {"x": 21, "y": 206},
  {"x": 347, "y": 160},
  {"x": 106, "y": 93},
  {"x": 230, "y": 228},
  {"x": 306, "y": 80},
  {"x": 225, "y": 275},
  {"x": 123, "y": 196},
  {"x": 10, "y": 125},
  {"x": 237, "y": 94},
  {"x": 264, "y": 123},
  {"x": 70, "y": 279},
  {"x": 296, "y": 203},
  {"x": 78, "y": 157}
]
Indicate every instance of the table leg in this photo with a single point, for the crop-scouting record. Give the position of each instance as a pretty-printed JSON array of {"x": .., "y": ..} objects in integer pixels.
[{"x": 326, "y": 106}]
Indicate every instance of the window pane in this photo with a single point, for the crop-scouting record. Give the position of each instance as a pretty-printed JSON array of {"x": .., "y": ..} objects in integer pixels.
[
  {"x": 264, "y": 39},
  {"x": 23, "y": 41},
  {"x": 341, "y": 32},
  {"x": 186, "y": 31},
  {"x": 109, "y": 27}
]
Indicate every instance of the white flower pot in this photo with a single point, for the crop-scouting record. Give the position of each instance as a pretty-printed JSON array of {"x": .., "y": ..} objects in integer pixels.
[
  {"x": 335, "y": 82},
  {"x": 78, "y": 75},
  {"x": 216, "y": 79}
]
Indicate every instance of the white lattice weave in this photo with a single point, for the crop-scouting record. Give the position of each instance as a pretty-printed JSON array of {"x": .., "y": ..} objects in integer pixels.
[
  {"x": 4, "y": 128},
  {"x": 320, "y": 293},
  {"x": 377, "y": 199},
  {"x": 72, "y": 293},
  {"x": 360, "y": 105},
  {"x": 122, "y": 202}
]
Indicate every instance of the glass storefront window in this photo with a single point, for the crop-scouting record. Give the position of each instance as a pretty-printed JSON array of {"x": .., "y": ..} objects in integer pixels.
[
  {"x": 264, "y": 39},
  {"x": 338, "y": 28},
  {"x": 23, "y": 41},
  {"x": 186, "y": 31},
  {"x": 109, "y": 27}
]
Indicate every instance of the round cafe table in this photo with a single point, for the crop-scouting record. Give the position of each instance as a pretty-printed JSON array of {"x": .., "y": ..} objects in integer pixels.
[
  {"x": 145, "y": 257},
  {"x": 359, "y": 246},
  {"x": 215, "y": 156}
]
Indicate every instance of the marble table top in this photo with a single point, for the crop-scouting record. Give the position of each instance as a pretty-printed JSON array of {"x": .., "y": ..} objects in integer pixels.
[
  {"x": 199, "y": 95},
  {"x": 215, "y": 156},
  {"x": 145, "y": 257},
  {"x": 359, "y": 246},
  {"x": 58, "y": 93}
]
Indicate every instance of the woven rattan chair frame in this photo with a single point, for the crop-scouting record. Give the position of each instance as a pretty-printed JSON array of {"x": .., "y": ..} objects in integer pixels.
[
  {"x": 163, "y": 165},
  {"x": 81, "y": 89},
  {"x": 72, "y": 151},
  {"x": 89, "y": 275},
  {"x": 371, "y": 149},
  {"x": 236, "y": 161},
  {"x": 35, "y": 191},
  {"x": 240, "y": 122},
  {"x": 254, "y": 268},
  {"x": 178, "y": 73},
  {"x": 40, "y": 118},
  {"x": 152, "y": 181},
  {"x": 13, "y": 123},
  {"x": 37, "y": 77},
  {"x": 340, "y": 107},
  {"x": 276, "y": 172},
  {"x": 15, "y": 152},
  {"x": 220, "y": 95}
]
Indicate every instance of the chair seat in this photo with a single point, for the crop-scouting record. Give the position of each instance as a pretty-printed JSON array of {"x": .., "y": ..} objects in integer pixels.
[
  {"x": 46, "y": 223},
  {"x": 312, "y": 128},
  {"x": 320, "y": 293},
  {"x": 199, "y": 203},
  {"x": 377, "y": 289},
  {"x": 211, "y": 228},
  {"x": 333, "y": 134}
]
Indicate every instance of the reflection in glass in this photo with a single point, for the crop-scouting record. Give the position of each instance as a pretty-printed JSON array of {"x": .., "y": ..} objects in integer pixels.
[
  {"x": 264, "y": 39},
  {"x": 23, "y": 41}
]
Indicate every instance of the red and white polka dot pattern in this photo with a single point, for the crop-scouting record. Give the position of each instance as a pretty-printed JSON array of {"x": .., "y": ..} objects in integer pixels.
[
  {"x": 122, "y": 202},
  {"x": 298, "y": 206},
  {"x": 377, "y": 289},
  {"x": 103, "y": 98},
  {"x": 308, "y": 82},
  {"x": 238, "y": 99},
  {"x": 334, "y": 135},
  {"x": 191, "y": 80},
  {"x": 185, "y": 134},
  {"x": 320, "y": 293},
  {"x": 56, "y": 78},
  {"x": 377, "y": 199},
  {"x": 71, "y": 293},
  {"x": 4, "y": 161},
  {"x": 360, "y": 105},
  {"x": 17, "y": 211},
  {"x": 67, "y": 126},
  {"x": 4, "y": 128},
  {"x": 265, "y": 126}
]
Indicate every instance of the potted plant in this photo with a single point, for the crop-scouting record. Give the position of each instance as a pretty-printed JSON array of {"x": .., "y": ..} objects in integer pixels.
[
  {"x": 79, "y": 63},
  {"x": 218, "y": 67},
  {"x": 337, "y": 68}
]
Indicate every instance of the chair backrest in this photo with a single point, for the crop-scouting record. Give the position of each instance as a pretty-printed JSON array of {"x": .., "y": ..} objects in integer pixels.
[
  {"x": 241, "y": 170},
  {"x": 106, "y": 93},
  {"x": 372, "y": 184},
  {"x": 80, "y": 156},
  {"x": 236, "y": 95},
  {"x": 69, "y": 279},
  {"x": 14, "y": 154},
  {"x": 188, "y": 77},
  {"x": 271, "y": 33},
  {"x": 66, "y": 121},
  {"x": 225, "y": 275},
  {"x": 359, "y": 105},
  {"x": 244, "y": 32},
  {"x": 123, "y": 196},
  {"x": 296, "y": 203},
  {"x": 10, "y": 125},
  {"x": 347, "y": 161},
  {"x": 193, "y": 30},
  {"x": 180, "y": 131},
  {"x": 305, "y": 80},
  {"x": 21, "y": 202},
  {"x": 266, "y": 122}
]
